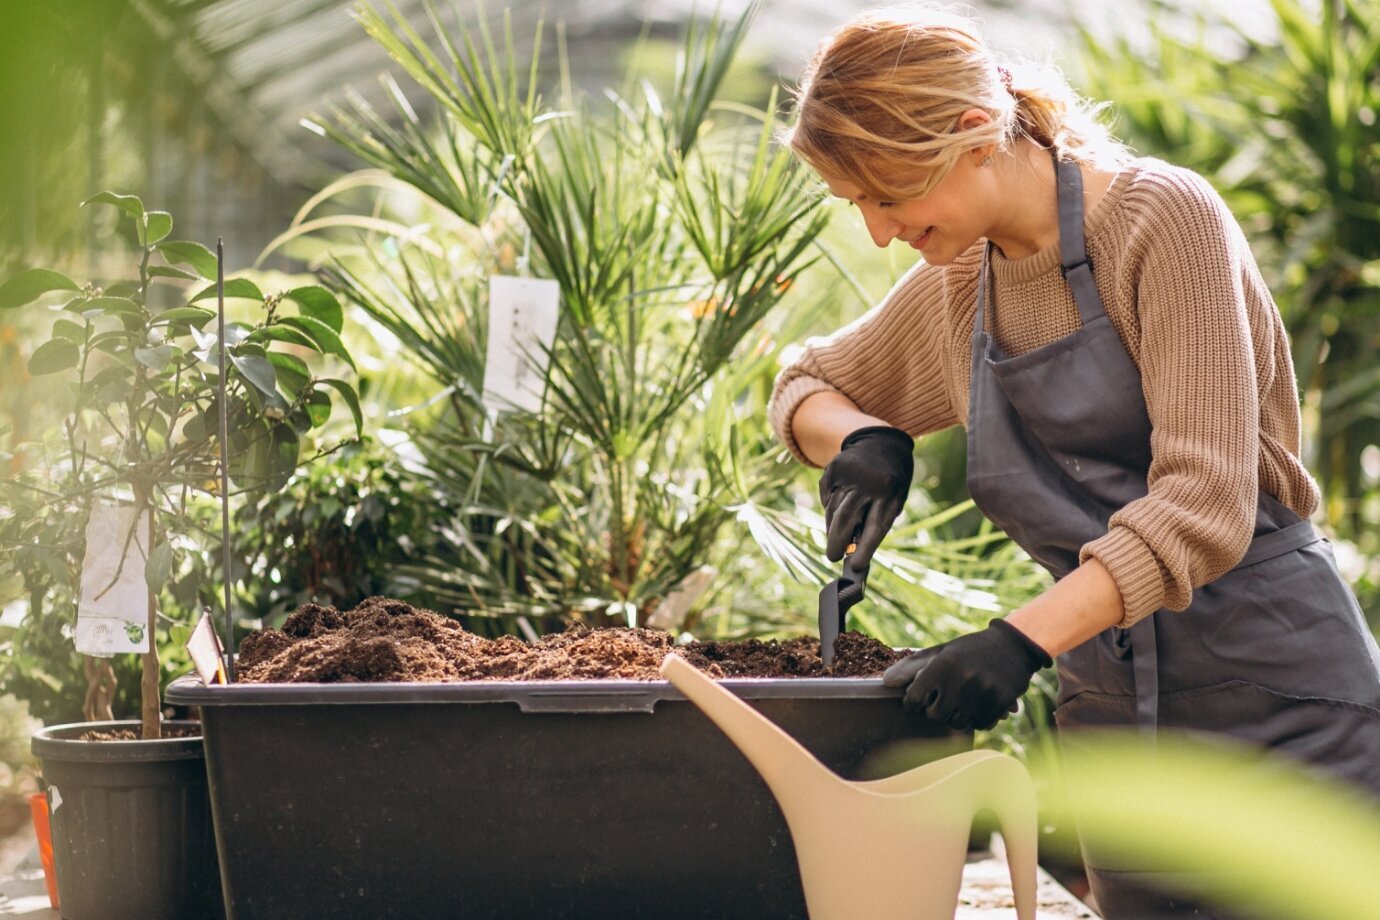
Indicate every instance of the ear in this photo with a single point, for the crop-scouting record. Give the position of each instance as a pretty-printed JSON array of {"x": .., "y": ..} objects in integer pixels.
[{"x": 971, "y": 120}]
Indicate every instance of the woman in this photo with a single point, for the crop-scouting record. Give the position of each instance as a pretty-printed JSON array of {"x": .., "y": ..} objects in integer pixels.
[{"x": 1098, "y": 325}]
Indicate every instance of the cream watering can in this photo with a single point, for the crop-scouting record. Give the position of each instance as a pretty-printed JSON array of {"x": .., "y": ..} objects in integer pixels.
[{"x": 887, "y": 849}]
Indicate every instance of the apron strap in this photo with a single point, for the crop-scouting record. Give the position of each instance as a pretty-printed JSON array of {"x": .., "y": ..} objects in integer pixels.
[
  {"x": 1145, "y": 663},
  {"x": 983, "y": 292},
  {"x": 1284, "y": 540},
  {"x": 1074, "y": 263},
  {"x": 1073, "y": 250}
]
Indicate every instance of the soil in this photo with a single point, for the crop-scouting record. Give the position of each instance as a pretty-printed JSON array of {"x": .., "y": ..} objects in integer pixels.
[
  {"x": 388, "y": 640},
  {"x": 131, "y": 734}
]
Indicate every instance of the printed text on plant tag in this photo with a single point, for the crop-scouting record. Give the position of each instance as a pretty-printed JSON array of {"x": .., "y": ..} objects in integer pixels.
[{"x": 522, "y": 327}]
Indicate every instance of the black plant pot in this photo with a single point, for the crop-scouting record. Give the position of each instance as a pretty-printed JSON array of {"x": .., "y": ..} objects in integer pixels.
[{"x": 131, "y": 822}]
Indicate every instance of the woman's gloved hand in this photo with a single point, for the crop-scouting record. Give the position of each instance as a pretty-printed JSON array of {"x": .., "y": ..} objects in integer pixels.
[
  {"x": 973, "y": 681},
  {"x": 864, "y": 488}
]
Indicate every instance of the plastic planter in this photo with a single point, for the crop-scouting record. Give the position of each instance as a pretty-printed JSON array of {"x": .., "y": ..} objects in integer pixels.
[
  {"x": 573, "y": 799},
  {"x": 131, "y": 825}
]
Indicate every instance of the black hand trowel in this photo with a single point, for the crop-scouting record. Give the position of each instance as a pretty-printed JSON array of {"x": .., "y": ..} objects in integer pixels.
[{"x": 834, "y": 602}]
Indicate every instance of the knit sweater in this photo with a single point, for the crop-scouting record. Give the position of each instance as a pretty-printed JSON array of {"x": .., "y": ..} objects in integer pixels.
[{"x": 1187, "y": 300}]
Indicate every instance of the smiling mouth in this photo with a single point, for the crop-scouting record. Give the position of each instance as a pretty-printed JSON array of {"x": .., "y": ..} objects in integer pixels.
[{"x": 920, "y": 241}]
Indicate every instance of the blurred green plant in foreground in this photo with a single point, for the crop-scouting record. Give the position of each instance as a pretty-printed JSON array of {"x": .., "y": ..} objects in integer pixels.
[
  {"x": 1260, "y": 832},
  {"x": 1263, "y": 834}
]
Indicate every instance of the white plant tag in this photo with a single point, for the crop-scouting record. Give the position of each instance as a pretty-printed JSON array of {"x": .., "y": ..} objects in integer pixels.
[
  {"x": 522, "y": 328},
  {"x": 112, "y": 614},
  {"x": 670, "y": 613},
  {"x": 206, "y": 651}
]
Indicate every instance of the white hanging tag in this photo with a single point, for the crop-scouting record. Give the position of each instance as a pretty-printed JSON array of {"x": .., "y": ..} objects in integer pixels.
[
  {"x": 208, "y": 655},
  {"x": 112, "y": 614},
  {"x": 522, "y": 328}
]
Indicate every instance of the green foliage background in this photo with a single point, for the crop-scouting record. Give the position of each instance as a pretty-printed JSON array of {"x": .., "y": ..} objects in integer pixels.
[{"x": 1284, "y": 128}]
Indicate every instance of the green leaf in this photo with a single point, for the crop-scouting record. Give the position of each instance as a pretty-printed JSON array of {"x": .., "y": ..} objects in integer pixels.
[
  {"x": 235, "y": 287},
  {"x": 322, "y": 334},
  {"x": 157, "y": 225},
  {"x": 28, "y": 286},
  {"x": 318, "y": 303},
  {"x": 351, "y": 398},
  {"x": 264, "y": 456},
  {"x": 201, "y": 259},
  {"x": 156, "y": 358},
  {"x": 159, "y": 567},
  {"x": 319, "y": 408},
  {"x": 115, "y": 373},
  {"x": 283, "y": 450},
  {"x": 280, "y": 333},
  {"x": 130, "y": 204},
  {"x": 258, "y": 370},
  {"x": 52, "y": 356},
  {"x": 114, "y": 339},
  {"x": 106, "y": 305},
  {"x": 115, "y": 391},
  {"x": 163, "y": 271},
  {"x": 292, "y": 372},
  {"x": 72, "y": 332},
  {"x": 192, "y": 316}
]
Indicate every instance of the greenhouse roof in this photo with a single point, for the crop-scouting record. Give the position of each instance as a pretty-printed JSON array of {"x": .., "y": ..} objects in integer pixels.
[{"x": 268, "y": 64}]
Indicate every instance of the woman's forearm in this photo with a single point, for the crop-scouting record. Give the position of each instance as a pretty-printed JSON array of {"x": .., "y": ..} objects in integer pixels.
[
  {"x": 823, "y": 420},
  {"x": 1079, "y": 606}
]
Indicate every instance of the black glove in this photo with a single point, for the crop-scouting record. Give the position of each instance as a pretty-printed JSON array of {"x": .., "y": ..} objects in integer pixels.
[
  {"x": 864, "y": 488},
  {"x": 973, "y": 681}
]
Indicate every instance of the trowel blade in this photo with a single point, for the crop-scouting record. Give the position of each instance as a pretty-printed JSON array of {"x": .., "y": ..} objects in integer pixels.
[{"x": 828, "y": 621}]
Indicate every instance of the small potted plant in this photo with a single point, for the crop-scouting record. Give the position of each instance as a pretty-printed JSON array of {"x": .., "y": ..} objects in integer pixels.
[{"x": 135, "y": 364}]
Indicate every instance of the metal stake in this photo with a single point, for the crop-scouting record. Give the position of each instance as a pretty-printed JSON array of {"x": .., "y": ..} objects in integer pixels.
[{"x": 229, "y": 650}]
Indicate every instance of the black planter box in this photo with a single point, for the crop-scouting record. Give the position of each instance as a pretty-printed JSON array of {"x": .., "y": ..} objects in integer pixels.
[{"x": 570, "y": 799}]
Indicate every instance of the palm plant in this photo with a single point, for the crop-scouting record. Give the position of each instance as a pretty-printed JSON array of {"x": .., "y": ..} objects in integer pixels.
[
  {"x": 672, "y": 229},
  {"x": 685, "y": 245}
]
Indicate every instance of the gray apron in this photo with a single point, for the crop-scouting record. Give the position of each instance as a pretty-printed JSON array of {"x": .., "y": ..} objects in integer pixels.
[{"x": 1275, "y": 652}]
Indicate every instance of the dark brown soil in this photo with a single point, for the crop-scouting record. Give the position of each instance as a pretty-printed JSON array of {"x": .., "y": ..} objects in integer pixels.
[
  {"x": 387, "y": 640},
  {"x": 131, "y": 734}
]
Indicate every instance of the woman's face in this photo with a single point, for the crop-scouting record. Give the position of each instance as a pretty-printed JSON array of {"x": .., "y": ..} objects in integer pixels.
[{"x": 941, "y": 225}]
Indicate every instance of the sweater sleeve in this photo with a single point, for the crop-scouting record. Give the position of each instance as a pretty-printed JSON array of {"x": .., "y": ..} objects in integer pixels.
[
  {"x": 890, "y": 362},
  {"x": 1199, "y": 377}
]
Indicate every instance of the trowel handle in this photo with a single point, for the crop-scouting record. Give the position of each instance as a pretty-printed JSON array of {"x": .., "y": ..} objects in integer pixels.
[{"x": 852, "y": 587}]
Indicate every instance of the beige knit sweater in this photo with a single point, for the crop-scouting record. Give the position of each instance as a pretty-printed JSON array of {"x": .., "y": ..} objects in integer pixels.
[{"x": 1188, "y": 302}]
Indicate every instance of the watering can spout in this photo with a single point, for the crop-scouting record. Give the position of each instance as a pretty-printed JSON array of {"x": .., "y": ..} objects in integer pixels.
[{"x": 889, "y": 849}]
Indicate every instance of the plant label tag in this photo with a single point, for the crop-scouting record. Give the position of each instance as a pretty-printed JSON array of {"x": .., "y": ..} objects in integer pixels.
[
  {"x": 207, "y": 652},
  {"x": 112, "y": 612},
  {"x": 522, "y": 328}
]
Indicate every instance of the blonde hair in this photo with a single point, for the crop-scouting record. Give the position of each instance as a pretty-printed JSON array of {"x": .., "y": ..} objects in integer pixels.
[{"x": 880, "y": 102}]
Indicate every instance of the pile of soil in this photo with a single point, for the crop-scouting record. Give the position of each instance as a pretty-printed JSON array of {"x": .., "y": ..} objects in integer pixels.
[
  {"x": 388, "y": 640},
  {"x": 133, "y": 734}
]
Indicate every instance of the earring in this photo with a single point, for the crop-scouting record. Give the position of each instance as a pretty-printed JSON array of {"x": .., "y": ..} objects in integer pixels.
[{"x": 987, "y": 161}]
